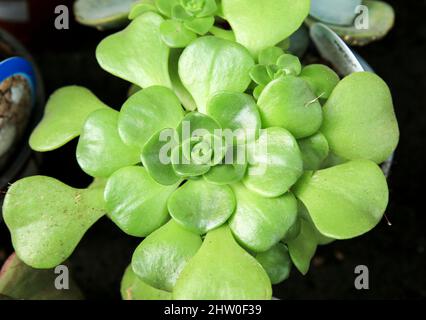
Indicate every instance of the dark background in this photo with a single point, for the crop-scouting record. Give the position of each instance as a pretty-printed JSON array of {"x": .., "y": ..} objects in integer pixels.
[{"x": 395, "y": 255}]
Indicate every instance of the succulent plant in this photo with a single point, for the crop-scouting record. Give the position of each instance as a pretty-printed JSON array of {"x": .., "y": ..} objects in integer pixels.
[{"x": 222, "y": 216}]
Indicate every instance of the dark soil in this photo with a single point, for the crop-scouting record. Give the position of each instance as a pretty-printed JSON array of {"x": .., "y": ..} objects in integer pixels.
[{"x": 395, "y": 255}]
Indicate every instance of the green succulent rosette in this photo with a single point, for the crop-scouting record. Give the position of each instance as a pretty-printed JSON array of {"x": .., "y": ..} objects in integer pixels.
[{"x": 227, "y": 195}]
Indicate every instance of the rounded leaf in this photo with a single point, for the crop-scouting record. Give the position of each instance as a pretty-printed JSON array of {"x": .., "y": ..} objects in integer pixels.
[
  {"x": 288, "y": 102},
  {"x": 209, "y": 65},
  {"x": 260, "y": 75},
  {"x": 200, "y": 25},
  {"x": 137, "y": 53},
  {"x": 160, "y": 258},
  {"x": 143, "y": 114},
  {"x": 270, "y": 55},
  {"x": 275, "y": 163},
  {"x": 359, "y": 119},
  {"x": 135, "y": 202},
  {"x": 166, "y": 6},
  {"x": 276, "y": 262},
  {"x": 222, "y": 270},
  {"x": 321, "y": 79},
  {"x": 260, "y": 223},
  {"x": 347, "y": 200},
  {"x": 314, "y": 150},
  {"x": 133, "y": 288},
  {"x": 100, "y": 150},
  {"x": 290, "y": 64},
  {"x": 157, "y": 157},
  {"x": 175, "y": 34},
  {"x": 200, "y": 206},
  {"x": 47, "y": 218},
  {"x": 140, "y": 8},
  {"x": 260, "y": 24},
  {"x": 236, "y": 112},
  {"x": 64, "y": 116}
]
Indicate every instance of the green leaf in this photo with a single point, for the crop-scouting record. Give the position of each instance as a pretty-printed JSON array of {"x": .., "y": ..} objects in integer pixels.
[
  {"x": 304, "y": 214},
  {"x": 165, "y": 6},
  {"x": 290, "y": 64},
  {"x": 178, "y": 87},
  {"x": 222, "y": 33},
  {"x": 275, "y": 163},
  {"x": 47, "y": 218},
  {"x": 276, "y": 262},
  {"x": 321, "y": 79},
  {"x": 143, "y": 114},
  {"x": 209, "y": 65},
  {"x": 160, "y": 258},
  {"x": 137, "y": 54},
  {"x": 294, "y": 230},
  {"x": 314, "y": 151},
  {"x": 133, "y": 288},
  {"x": 200, "y": 206},
  {"x": 141, "y": 7},
  {"x": 222, "y": 270},
  {"x": 19, "y": 281},
  {"x": 231, "y": 170},
  {"x": 179, "y": 13},
  {"x": 175, "y": 34},
  {"x": 100, "y": 151},
  {"x": 237, "y": 112},
  {"x": 196, "y": 124},
  {"x": 260, "y": 223},
  {"x": 359, "y": 120},
  {"x": 260, "y": 75},
  {"x": 135, "y": 202},
  {"x": 289, "y": 103},
  {"x": 270, "y": 55},
  {"x": 258, "y": 91},
  {"x": 209, "y": 9},
  {"x": 273, "y": 71},
  {"x": 263, "y": 23},
  {"x": 200, "y": 25},
  {"x": 345, "y": 201},
  {"x": 157, "y": 158},
  {"x": 64, "y": 116},
  {"x": 302, "y": 249}
]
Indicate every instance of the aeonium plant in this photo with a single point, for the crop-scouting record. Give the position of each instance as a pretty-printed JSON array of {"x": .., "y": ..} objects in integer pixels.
[{"x": 229, "y": 181}]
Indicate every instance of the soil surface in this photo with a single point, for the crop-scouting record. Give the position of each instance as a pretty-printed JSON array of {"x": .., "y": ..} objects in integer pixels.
[{"x": 395, "y": 255}]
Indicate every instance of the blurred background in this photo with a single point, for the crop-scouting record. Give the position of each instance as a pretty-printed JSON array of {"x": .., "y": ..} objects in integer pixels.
[{"x": 395, "y": 255}]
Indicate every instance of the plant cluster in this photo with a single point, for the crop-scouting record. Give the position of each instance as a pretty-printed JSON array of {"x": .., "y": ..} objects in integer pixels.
[{"x": 212, "y": 228}]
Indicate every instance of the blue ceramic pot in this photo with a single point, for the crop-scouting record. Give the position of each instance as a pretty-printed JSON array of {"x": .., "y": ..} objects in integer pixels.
[{"x": 21, "y": 106}]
